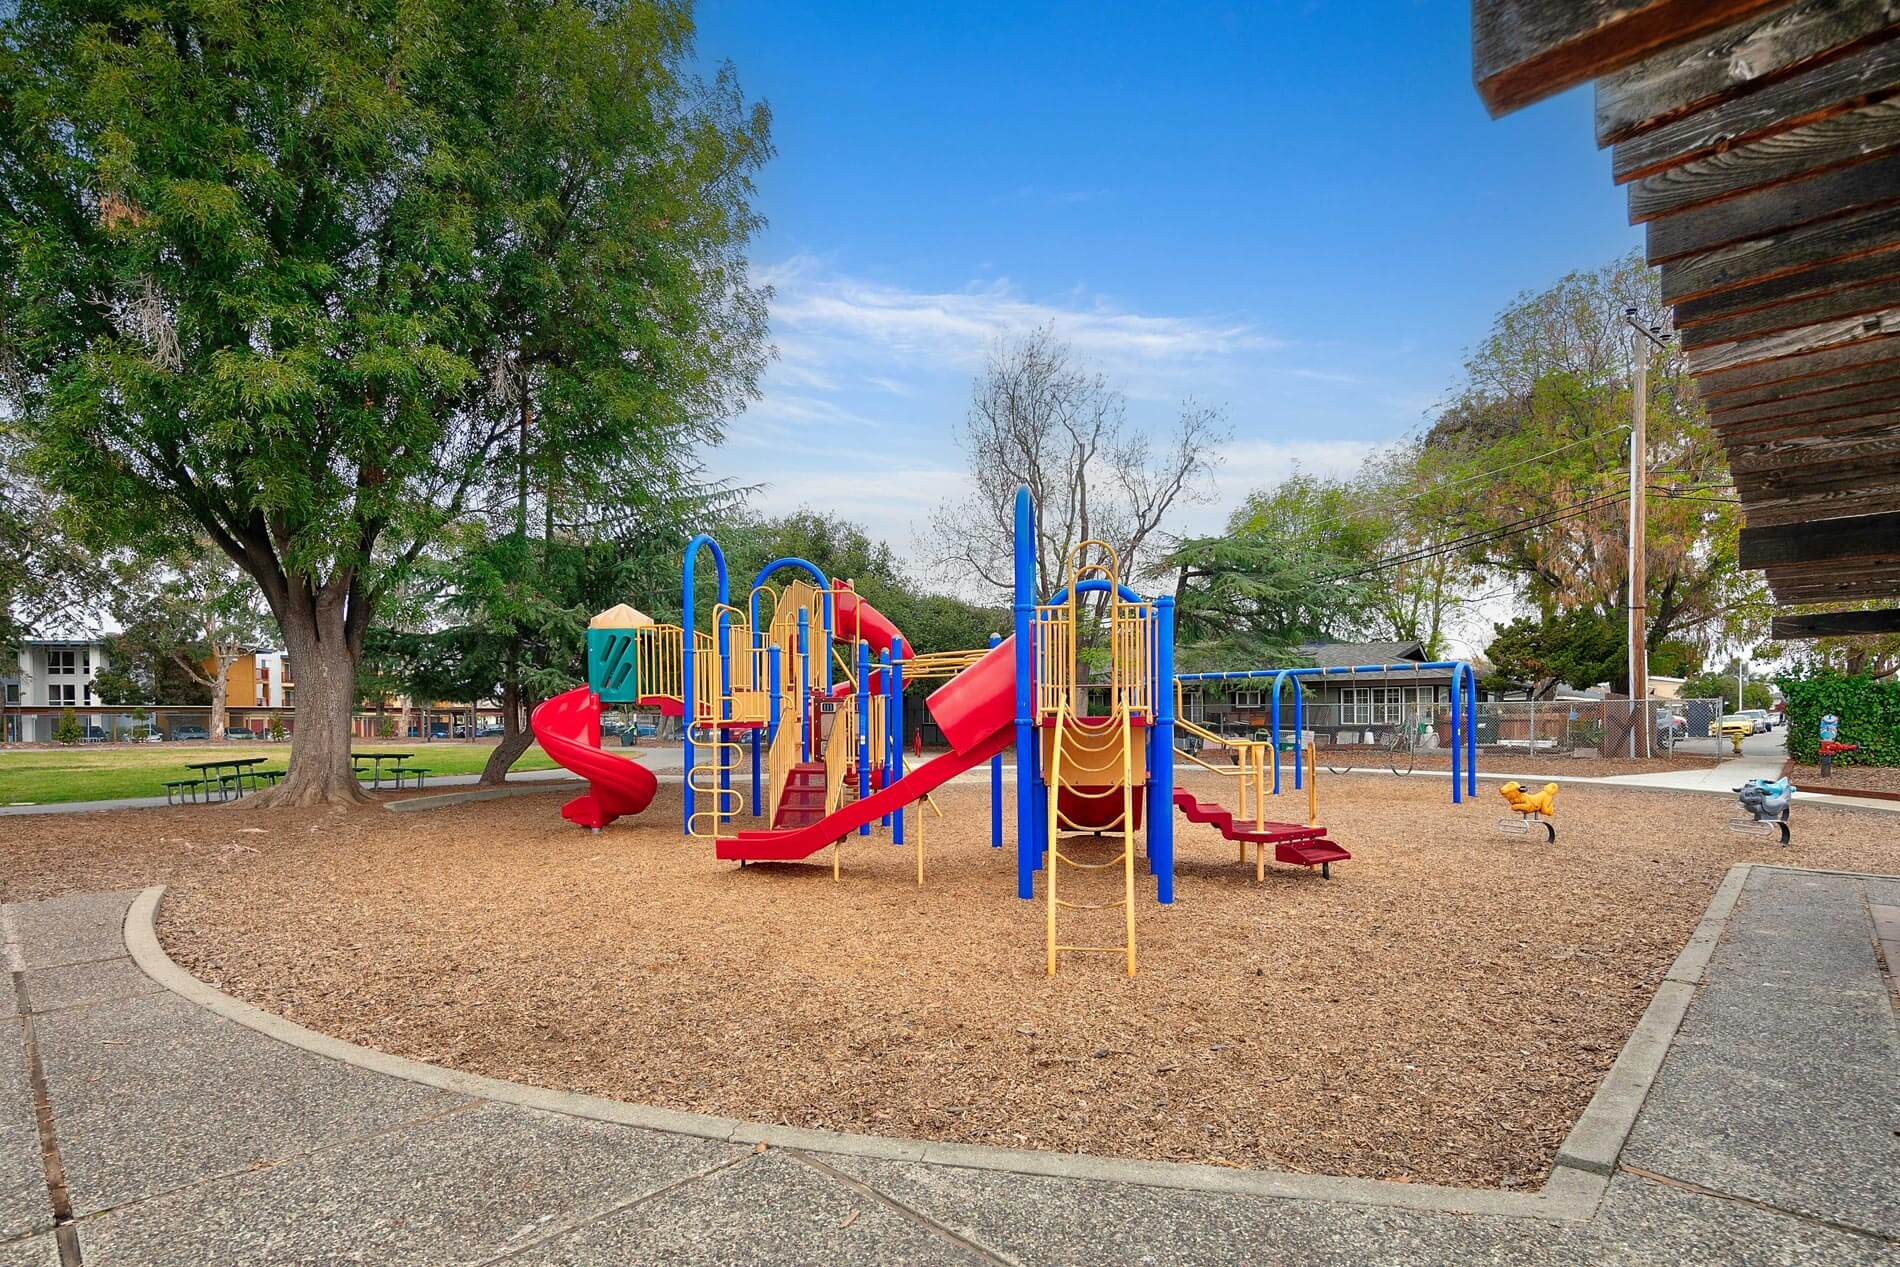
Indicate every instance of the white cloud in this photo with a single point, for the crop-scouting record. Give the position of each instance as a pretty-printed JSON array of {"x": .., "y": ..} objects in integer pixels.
[{"x": 821, "y": 318}]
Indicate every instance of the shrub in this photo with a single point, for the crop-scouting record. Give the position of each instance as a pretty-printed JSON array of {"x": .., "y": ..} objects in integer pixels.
[
  {"x": 1869, "y": 710},
  {"x": 385, "y": 727},
  {"x": 277, "y": 728},
  {"x": 68, "y": 731}
]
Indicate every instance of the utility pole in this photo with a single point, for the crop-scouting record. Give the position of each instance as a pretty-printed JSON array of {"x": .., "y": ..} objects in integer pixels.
[{"x": 1642, "y": 730}]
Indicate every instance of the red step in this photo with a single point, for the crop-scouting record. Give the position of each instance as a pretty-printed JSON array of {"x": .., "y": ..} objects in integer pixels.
[
  {"x": 803, "y": 800},
  {"x": 1293, "y": 843}
]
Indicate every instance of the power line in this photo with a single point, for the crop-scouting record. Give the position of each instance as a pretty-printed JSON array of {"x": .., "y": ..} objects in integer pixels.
[{"x": 1485, "y": 536}]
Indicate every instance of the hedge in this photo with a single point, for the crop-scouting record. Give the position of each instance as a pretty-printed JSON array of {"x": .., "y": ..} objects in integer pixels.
[{"x": 1869, "y": 710}]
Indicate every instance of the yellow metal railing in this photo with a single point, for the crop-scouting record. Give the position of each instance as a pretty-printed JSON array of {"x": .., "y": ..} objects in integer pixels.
[
  {"x": 1249, "y": 771},
  {"x": 660, "y": 661},
  {"x": 941, "y": 664}
]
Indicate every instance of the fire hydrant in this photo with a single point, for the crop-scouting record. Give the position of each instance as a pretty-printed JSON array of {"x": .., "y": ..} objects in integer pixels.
[{"x": 1830, "y": 733}]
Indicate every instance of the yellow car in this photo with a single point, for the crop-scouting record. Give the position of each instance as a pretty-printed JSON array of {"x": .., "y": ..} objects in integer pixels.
[{"x": 1732, "y": 725}]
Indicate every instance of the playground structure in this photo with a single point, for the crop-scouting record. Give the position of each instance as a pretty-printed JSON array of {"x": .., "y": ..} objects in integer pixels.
[
  {"x": 1532, "y": 810},
  {"x": 804, "y": 682},
  {"x": 1767, "y": 802}
]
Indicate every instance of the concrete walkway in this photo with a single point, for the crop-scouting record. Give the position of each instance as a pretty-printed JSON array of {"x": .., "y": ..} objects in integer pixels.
[{"x": 146, "y": 1119}]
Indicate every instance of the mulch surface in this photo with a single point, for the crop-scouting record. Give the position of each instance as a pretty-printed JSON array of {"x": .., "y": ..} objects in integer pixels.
[
  {"x": 1440, "y": 1010},
  {"x": 1869, "y": 778}
]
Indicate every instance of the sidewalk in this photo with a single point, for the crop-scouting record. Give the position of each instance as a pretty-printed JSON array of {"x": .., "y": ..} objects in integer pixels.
[{"x": 142, "y": 1126}]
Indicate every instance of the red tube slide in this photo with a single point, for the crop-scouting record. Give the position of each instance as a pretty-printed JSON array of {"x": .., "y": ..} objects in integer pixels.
[
  {"x": 568, "y": 729},
  {"x": 853, "y": 618}
]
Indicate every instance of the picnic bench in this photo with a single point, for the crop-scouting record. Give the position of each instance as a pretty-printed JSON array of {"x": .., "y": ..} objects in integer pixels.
[
  {"x": 226, "y": 776},
  {"x": 399, "y": 769}
]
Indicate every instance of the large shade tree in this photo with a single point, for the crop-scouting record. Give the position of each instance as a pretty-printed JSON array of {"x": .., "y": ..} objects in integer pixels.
[{"x": 305, "y": 278}]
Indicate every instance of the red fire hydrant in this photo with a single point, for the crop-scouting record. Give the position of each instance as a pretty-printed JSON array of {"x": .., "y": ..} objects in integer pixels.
[{"x": 1828, "y": 748}]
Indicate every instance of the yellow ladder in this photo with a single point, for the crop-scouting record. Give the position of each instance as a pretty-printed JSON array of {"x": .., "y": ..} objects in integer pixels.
[
  {"x": 1056, "y": 859},
  {"x": 726, "y": 755}
]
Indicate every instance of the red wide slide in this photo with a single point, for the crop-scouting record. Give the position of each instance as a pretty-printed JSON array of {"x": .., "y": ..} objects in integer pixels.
[
  {"x": 568, "y": 729},
  {"x": 976, "y": 710}
]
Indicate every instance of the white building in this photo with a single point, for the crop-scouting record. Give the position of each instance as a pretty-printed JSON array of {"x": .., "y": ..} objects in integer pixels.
[{"x": 55, "y": 673}]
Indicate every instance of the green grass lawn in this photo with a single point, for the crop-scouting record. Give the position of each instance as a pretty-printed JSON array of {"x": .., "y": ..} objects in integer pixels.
[{"x": 42, "y": 776}]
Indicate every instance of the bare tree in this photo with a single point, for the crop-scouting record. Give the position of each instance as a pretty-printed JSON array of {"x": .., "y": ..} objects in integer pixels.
[{"x": 1041, "y": 418}]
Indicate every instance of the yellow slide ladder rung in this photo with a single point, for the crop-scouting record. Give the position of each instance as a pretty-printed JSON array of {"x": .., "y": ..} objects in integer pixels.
[{"x": 1057, "y": 859}]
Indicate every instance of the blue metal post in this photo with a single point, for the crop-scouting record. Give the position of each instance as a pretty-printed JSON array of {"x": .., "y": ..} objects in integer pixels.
[
  {"x": 773, "y": 684},
  {"x": 1273, "y": 729},
  {"x": 996, "y": 784},
  {"x": 1457, "y": 705},
  {"x": 883, "y": 751},
  {"x": 1029, "y": 836},
  {"x": 804, "y": 684},
  {"x": 894, "y": 712},
  {"x": 1471, "y": 731},
  {"x": 686, "y": 656},
  {"x": 864, "y": 727},
  {"x": 1161, "y": 766}
]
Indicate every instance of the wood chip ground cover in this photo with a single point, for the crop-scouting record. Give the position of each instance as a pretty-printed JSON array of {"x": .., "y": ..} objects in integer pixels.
[{"x": 1440, "y": 1010}]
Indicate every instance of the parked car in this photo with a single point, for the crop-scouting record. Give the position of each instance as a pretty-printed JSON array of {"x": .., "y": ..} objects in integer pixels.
[
  {"x": 491, "y": 730},
  {"x": 1763, "y": 719},
  {"x": 1730, "y": 724},
  {"x": 93, "y": 733},
  {"x": 239, "y": 732},
  {"x": 1672, "y": 725},
  {"x": 189, "y": 734}
]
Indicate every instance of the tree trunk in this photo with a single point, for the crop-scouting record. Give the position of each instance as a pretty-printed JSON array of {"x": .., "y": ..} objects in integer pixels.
[
  {"x": 516, "y": 736},
  {"x": 220, "y": 717},
  {"x": 320, "y": 770}
]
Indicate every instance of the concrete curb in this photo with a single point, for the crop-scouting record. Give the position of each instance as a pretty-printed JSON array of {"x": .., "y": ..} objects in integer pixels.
[
  {"x": 442, "y": 800},
  {"x": 1579, "y": 1176},
  {"x": 1597, "y": 1139}
]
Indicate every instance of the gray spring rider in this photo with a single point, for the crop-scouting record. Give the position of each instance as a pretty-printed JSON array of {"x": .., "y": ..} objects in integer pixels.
[{"x": 1766, "y": 801}]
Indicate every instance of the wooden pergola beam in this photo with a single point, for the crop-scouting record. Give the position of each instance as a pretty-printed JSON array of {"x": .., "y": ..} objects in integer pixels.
[
  {"x": 1883, "y": 620},
  {"x": 1739, "y": 58},
  {"x": 1525, "y": 50},
  {"x": 1822, "y": 541}
]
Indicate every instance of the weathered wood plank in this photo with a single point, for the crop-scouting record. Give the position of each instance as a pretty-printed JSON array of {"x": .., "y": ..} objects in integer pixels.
[
  {"x": 1887, "y": 372},
  {"x": 1525, "y": 50},
  {"x": 1841, "y": 301},
  {"x": 1856, "y": 537},
  {"x": 1883, "y": 588},
  {"x": 1777, "y": 290},
  {"x": 1853, "y": 426},
  {"x": 1826, "y": 90},
  {"x": 1834, "y": 192},
  {"x": 1815, "y": 147},
  {"x": 1738, "y": 58},
  {"x": 1792, "y": 506},
  {"x": 1792, "y": 342},
  {"x": 1809, "y": 454},
  {"x": 1881, "y": 620},
  {"x": 1862, "y": 233},
  {"x": 1879, "y": 473},
  {"x": 1798, "y": 368},
  {"x": 1880, "y": 396}
]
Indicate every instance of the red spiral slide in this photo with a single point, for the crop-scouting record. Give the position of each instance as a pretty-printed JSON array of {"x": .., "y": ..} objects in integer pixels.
[{"x": 568, "y": 729}]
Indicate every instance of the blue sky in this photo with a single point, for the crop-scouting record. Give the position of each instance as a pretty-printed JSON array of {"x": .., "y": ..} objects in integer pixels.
[{"x": 1297, "y": 211}]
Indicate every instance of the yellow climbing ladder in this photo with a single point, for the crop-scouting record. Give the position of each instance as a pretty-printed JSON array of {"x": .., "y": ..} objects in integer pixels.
[
  {"x": 706, "y": 780},
  {"x": 1065, "y": 736}
]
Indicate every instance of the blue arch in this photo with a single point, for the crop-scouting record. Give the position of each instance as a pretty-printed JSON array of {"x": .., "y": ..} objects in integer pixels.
[
  {"x": 1094, "y": 585},
  {"x": 818, "y": 578},
  {"x": 1280, "y": 679},
  {"x": 688, "y": 567}
]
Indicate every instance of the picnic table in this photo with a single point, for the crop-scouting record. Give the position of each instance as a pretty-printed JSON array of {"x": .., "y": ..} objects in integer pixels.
[
  {"x": 222, "y": 775},
  {"x": 375, "y": 762}
]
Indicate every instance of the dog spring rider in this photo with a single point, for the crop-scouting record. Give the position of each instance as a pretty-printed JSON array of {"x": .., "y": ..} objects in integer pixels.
[
  {"x": 1767, "y": 804},
  {"x": 1531, "y": 810}
]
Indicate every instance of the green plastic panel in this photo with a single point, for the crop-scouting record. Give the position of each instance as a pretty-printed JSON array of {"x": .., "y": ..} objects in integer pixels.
[{"x": 612, "y": 669}]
